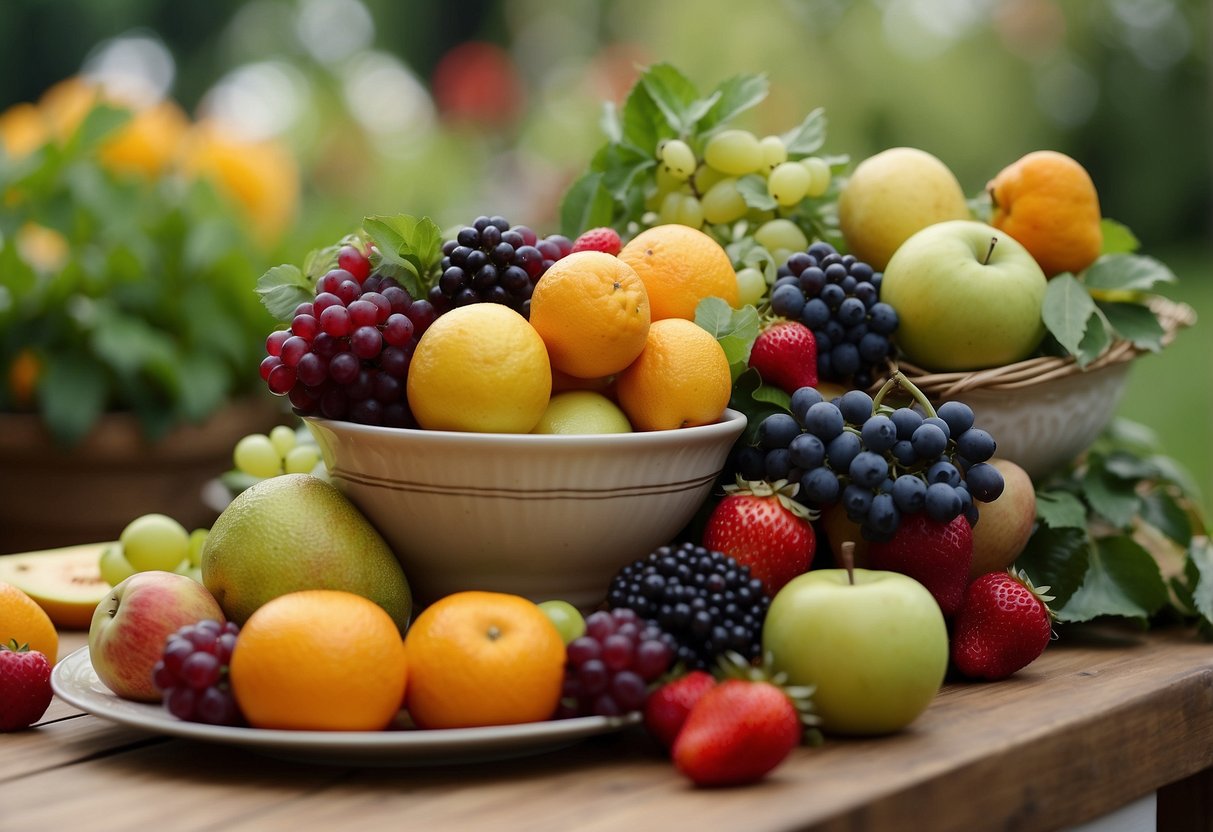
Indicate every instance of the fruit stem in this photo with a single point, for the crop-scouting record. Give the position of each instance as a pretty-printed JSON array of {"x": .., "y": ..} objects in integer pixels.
[
  {"x": 990, "y": 251},
  {"x": 898, "y": 379},
  {"x": 848, "y": 560}
]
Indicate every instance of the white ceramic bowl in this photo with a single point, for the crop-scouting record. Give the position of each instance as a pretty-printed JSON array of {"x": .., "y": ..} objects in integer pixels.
[{"x": 536, "y": 515}]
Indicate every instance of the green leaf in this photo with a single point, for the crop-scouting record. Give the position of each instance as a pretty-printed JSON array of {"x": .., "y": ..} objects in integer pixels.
[
  {"x": 281, "y": 289},
  {"x": 128, "y": 345},
  {"x": 609, "y": 122},
  {"x": 1134, "y": 322},
  {"x": 1160, "y": 510},
  {"x": 753, "y": 189},
  {"x": 757, "y": 401},
  {"x": 808, "y": 136},
  {"x": 734, "y": 329},
  {"x": 204, "y": 387},
  {"x": 674, "y": 95},
  {"x": 1067, "y": 311},
  {"x": 1200, "y": 556},
  {"x": 1117, "y": 238},
  {"x": 586, "y": 204},
  {"x": 1060, "y": 510},
  {"x": 1122, "y": 579},
  {"x": 101, "y": 121},
  {"x": 72, "y": 394},
  {"x": 1111, "y": 497},
  {"x": 412, "y": 244},
  {"x": 1095, "y": 340},
  {"x": 1056, "y": 558},
  {"x": 644, "y": 125},
  {"x": 1128, "y": 466},
  {"x": 1127, "y": 272},
  {"x": 732, "y": 97}
]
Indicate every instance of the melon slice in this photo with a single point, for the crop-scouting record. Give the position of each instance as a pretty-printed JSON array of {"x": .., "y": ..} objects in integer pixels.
[{"x": 66, "y": 582}]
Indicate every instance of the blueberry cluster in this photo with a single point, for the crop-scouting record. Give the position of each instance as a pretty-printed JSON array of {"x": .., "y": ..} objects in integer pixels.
[
  {"x": 838, "y": 298},
  {"x": 879, "y": 463},
  {"x": 494, "y": 262},
  {"x": 704, "y": 599}
]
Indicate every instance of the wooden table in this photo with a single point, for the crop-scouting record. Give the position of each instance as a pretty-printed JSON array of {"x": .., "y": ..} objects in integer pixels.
[{"x": 1101, "y": 720}]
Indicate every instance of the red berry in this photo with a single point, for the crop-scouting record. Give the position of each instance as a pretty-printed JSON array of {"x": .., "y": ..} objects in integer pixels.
[
  {"x": 765, "y": 530},
  {"x": 603, "y": 239},
  {"x": 785, "y": 355},
  {"x": 1003, "y": 625},
  {"x": 937, "y": 555},
  {"x": 668, "y": 706},
  {"x": 25, "y": 686}
]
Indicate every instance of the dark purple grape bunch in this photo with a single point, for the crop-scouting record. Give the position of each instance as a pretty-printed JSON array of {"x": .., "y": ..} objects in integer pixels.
[
  {"x": 704, "y": 599},
  {"x": 491, "y": 261},
  {"x": 609, "y": 670},
  {"x": 192, "y": 673},
  {"x": 838, "y": 298},
  {"x": 346, "y": 353},
  {"x": 879, "y": 463}
]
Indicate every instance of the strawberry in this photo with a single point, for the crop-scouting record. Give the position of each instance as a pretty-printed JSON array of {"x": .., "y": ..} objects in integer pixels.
[
  {"x": 25, "y": 686},
  {"x": 666, "y": 709},
  {"x": 937, "y": 555},
  {"x": 760, "y": 526},
  {"x": 603, "y": 239},
  {"x": 785, "y": 355},
  {"x": 1003, "y": 625}
]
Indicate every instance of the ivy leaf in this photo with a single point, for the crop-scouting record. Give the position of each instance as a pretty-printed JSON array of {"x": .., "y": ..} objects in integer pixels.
[
  {"x": 808, "y": 136},
  {"x": 283, "y": 288},
  {"x": 753, "y": 189},
  {"x": 732, "y": 97},
  {"x": 1117, "y": 238},
  {"x": 1113, "y": 498},
  {"x": 674, "y": 95},
  {"x": 757, "y": 401},
  {"x": 1122, "y": 579},
  {"x": 1127, "y": 273},
  {"x": 1060, "y": 510},
  {"x": 1056, "y": 558},
  {"x": 410, "y": 244},
  {"x": 586, "y": 204},
  {"x": 734, "y": 329},
  {"x": 72, "y": 393},
  {"x": 1067, "y": 311},
  {"x": 1135, "y": 323}
]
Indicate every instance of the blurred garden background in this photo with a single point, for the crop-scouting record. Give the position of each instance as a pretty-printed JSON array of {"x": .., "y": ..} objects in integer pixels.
[{"x": 327, "y": 111}]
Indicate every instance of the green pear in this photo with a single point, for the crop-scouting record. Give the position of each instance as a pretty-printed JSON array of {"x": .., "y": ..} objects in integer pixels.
[{"x": 296, "y": 532}]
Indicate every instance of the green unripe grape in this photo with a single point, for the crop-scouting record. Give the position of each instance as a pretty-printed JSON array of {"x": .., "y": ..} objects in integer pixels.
[
  {"x": 723, "y": 202},
  {"x": 735, "y": 152},
  {"x": 780, "y": 256},
  {"x": 751, "y": 286},
  {"x": 256, "y": 455},
  {"x": 690, "y": 212},
  {"x": 567, "y": 618},
  {"x": 819, "y": 175},
  {"x": 678, "y": 158},
  {"x": 781, "y": 234},
  {"x": 155, "y": 541},
  {"x": 301, "y": 459},
  {"x": 113, "y": 566},
  {"x": 197, "y": 539},
  {"x": 666, "y": 181},
  {"x": 671, "y": 203},
  {"x": 789, "y": 183},
  {"x": 706, "y": 177},
  {"x": 283, "y": 439},
  {"x": 189, "y": 571},
  {"x": 774, "y": 152}
]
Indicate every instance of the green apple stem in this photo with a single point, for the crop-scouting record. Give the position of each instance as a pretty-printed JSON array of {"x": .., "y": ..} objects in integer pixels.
[
  {"x": 848, "y": 560},
  {"x": 990, "y": 251},
  {"x": 898, "y": 379}
]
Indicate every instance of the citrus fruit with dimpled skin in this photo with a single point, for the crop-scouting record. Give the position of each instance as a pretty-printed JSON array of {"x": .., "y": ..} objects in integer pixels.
[
  {"x": 592, "y": 312},
  {"x": 296, "y": 532},
  {"x": 582, "y": 412},
  {"x": 319, "y": 660},
  {"x": 483, "y": 658},
  {"x": 1047, "y": 202},
  {"x": 23, "y": 620},
  {"x": 680, "y": 266},
  {"x": 480, "y": 368},
  {"x": 680, "y": 380}
]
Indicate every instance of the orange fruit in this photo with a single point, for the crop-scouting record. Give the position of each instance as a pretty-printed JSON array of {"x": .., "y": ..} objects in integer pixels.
[
  {"x": 480, "y": 368},
  {"x": 149, "y": 142},
  {"x": 22, "y": 619},
  {"x": 680, "y": 266},
  {"x": 319, "y": 660},
  {"x": 1047, "y": 202},
  {"x": 22, "y": 130},
  {"x": 483, "y": 658},
  {"x": 592, "y": 312},
  {"x": 680, "y": 380}
]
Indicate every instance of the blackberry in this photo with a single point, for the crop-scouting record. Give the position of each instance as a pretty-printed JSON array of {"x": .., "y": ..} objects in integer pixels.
[
  {"x": 491, "y": 261},
  {"x": 704, "y": 599}
]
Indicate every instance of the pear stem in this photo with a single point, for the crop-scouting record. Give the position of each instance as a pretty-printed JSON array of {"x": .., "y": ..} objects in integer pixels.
[
  {"x": 848, "y": 560},
  {"x": 990, "y": 251}
]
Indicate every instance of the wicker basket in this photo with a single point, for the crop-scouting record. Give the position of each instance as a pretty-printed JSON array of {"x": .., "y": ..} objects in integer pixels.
[{"x": 1046, "y": 411}]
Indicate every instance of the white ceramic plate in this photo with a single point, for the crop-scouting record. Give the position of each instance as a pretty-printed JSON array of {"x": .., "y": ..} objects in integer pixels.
[{"x": 75, "y": 682}]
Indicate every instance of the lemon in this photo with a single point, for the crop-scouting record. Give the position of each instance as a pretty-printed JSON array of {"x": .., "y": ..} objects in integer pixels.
[
  {"x": 582, "y": 411},
  {"x": 482, "y": 368}
]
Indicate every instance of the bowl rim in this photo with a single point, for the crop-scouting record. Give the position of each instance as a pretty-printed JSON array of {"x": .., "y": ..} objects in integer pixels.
[{"x": 731, "y": 422}]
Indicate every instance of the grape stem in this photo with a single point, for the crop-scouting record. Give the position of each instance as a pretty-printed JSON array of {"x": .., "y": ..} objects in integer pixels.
[{"x": 898, "y": 379}]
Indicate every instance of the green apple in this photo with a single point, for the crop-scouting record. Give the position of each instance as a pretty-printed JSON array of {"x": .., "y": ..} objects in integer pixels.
[
  {"x": 893, "y": 194},
  {"x": 1004, "y": 525},
  {"x": 875, "y": 650},
  {"x": 581, "y": 412},
  {"x": 968, "y": 296}
]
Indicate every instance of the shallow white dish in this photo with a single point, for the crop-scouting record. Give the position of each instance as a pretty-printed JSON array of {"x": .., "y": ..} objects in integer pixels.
[{"x": 76, "y": 683}]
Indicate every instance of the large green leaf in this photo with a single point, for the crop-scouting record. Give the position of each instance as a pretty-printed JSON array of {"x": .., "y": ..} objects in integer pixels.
[
  {"x": 674, "y": 95},
  {"x": 734, "y": 329},
  {"x": 1068, "y": 311},
  {"x": 1061, "y": 510},
  {"x": 412, "y": 244},
  {"x": 808, "y": 136},
  {"x": 587, "y": 204},
  {"x": 1127, "y": 272},
  {"x": 1117, "y": 238},
  {"x": 1122, "y": 580},
  {"x": 1111, "y": 496},
  {"x": 734, "y": 96},
  {"x": 1163, "y": 512},
  {"x": 72, "y": 394},
  {"x": 1136, "y": 323},
  {"x": 283, "y": 288},
  {"x": 1056, "y": 558},
  {"x": 757, "y": 401}
]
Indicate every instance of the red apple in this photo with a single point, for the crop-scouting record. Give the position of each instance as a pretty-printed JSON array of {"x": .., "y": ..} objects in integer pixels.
[
  {"x": 131, "y": 624},
  {"x": 1004, "y": 525}
]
